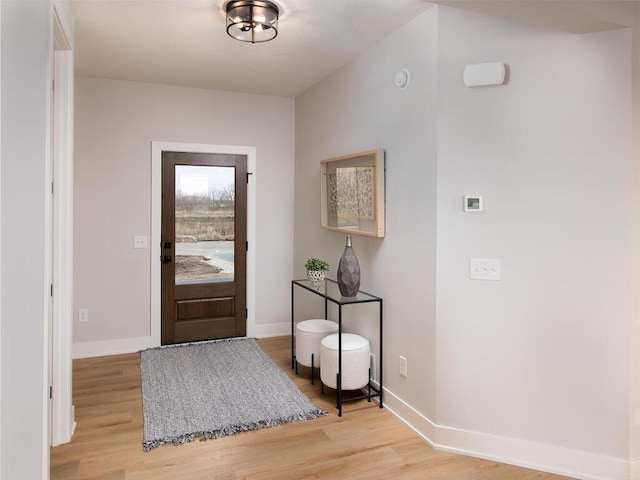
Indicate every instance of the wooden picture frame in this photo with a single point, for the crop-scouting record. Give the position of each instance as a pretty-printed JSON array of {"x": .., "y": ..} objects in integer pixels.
[{"x": 352, "y": 193}]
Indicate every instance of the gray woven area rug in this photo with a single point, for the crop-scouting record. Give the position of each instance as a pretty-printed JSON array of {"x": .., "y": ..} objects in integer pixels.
[{"x": 217, "y": 388}]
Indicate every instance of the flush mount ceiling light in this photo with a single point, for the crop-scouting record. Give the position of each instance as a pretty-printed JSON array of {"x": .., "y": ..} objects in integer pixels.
[{"x": 252, "y": 20}]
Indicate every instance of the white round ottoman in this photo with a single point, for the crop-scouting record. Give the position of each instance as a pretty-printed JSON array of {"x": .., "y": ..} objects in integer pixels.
[
  {"x": 355, "y": 361},
  {"x": 309, "y": 333}
]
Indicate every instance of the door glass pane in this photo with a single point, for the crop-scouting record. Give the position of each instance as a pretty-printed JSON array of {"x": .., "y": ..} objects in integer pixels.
[{"x": 205, "y": 224}]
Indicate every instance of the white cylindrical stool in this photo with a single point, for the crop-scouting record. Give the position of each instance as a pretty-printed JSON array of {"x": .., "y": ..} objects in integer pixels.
[
  {"x": 355, "y": 361},
  {"x": 309, "y": 333}
]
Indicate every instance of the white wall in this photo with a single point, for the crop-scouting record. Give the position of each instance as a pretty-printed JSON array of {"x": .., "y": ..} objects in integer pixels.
[
  {"x": 116, "y": 122},
  {"x": 356, "y": 109},
  {"x": 544, "y": 354},
  {"x": 26, "y": 76},
  {"x": 534, "y": 369}
]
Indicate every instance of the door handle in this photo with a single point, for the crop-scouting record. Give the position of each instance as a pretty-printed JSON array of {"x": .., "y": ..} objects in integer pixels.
[{"x": 166, "y": 258}]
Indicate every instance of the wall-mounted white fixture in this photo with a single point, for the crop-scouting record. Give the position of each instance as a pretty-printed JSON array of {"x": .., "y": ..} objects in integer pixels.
[
  {"x": 140, "y": 241},
  {"x": 473, "y": 203},
  {"x": 403, "y": 366},
  {"x": 402, "y": 78},
  {"x": 484, "y": 74},
  {"x": 485, "y": 269}
]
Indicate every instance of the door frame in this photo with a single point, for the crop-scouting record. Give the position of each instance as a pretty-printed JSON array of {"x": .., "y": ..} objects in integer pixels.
[
  {"x": 156, "y": 223},
  {"x": 62, "y": 411}
]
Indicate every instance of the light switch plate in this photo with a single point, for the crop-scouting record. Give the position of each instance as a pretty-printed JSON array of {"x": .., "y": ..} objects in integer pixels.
[{"x": 485, "y": 269}]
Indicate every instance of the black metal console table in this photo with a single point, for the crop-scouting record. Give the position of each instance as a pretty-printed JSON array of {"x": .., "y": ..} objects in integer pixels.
[{"x": 330, "y": 291}]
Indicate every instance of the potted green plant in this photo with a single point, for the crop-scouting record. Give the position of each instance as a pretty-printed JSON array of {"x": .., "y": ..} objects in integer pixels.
[{"x": 316, "y": 270}]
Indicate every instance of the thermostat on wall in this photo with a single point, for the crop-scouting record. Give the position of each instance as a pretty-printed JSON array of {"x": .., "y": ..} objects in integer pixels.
[{"x": 473, "y": 203}]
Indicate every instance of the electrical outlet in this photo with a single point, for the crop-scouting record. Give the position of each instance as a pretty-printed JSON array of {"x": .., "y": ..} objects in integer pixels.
[
  {"x": 83, "y": 315},
  {"x": 140, "y": 241},
  {"x": 403, "y": 366}
]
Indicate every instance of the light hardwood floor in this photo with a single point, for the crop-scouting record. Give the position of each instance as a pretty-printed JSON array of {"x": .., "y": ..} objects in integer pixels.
[{"x": 366, "y": 443}]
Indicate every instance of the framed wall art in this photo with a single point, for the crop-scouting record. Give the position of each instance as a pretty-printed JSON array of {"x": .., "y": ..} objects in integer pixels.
[{"x": 352, "y": 193}]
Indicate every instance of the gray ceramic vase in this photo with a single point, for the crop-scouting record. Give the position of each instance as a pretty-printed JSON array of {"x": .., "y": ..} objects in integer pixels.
[{"x": 349, "y": 271}]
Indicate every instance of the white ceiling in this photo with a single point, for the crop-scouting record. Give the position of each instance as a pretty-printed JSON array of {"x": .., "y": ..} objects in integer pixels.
[{"x": 184, "y": 42}]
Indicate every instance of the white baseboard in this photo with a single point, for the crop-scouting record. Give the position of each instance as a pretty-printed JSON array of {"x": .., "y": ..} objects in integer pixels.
[
  {"x": 119, "y": 346},
  {"x": 269, "y": 330},
  {"x": 110, "y": 347},
  {"x": 543, "y": 457}
]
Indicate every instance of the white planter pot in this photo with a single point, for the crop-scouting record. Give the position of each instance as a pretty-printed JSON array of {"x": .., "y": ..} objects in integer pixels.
[{"x": 316, "y": 277}]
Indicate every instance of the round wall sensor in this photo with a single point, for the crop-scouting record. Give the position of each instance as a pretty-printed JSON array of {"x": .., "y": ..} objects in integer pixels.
[{"x": 402, "y": 78}]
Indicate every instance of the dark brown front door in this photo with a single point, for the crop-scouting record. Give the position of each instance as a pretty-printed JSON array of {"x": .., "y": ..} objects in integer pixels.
[{"x": 204, "y": 235}]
